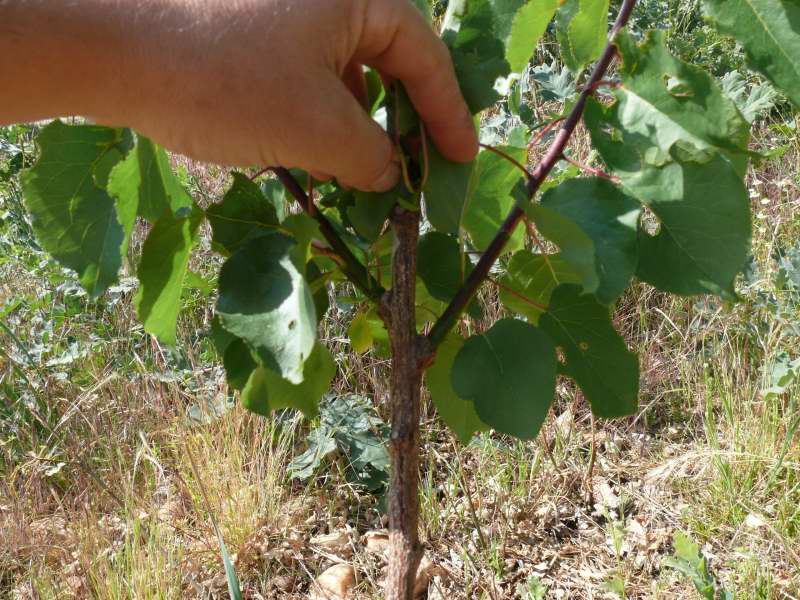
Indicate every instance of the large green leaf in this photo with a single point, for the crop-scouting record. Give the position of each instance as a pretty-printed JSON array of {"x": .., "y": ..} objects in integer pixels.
[
  {"x": 147, "y": 173},
  {"x": 528, "y": 26},
  {"x": 477, "y": 50},
  {"x": 701, "y": 203},
  {"x": 162, "y": 269},
  {"x": 72, "y": 215},
  {"x": 509, "y": 372},
  {"x": 704, "y": 237},
  {"x": 596, "y": 357},
  {"x": 243, "y": 214},
  {"x": 663, "y": 101},
  {"x": 459, "y": 414},
  {"x": 440, "y": 264},
  {"x": 769, "y": 32},
  {"x": 594, "y": 224},
  {"x": 530, "y": 279},
  {"x": 446, "y": 191},
  {"x": 582, "y": 29},
  {"x": 264, "y": 299},
  {"x": 267, "y": 391},
  {"x": 490, "y": 200}
]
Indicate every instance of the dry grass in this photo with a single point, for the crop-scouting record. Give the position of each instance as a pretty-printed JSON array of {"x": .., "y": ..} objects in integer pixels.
[{"x": 98, "y": 498}]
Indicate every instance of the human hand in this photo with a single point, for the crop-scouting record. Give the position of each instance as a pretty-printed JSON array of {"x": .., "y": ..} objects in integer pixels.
[{"x": 253, "y": 82}]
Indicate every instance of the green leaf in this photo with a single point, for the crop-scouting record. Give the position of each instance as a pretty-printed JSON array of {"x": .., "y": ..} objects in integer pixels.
[
  {"x": 527, "y": 28},
  {"x": 530, "y": 279},
  {"x": 267, "y": 391},
  {"x": 275, "y": 193},
  {"x": 304, "y": 229},
  {"x": 440, "y": 264},
  {"x": 663, "y": 101},
  {"x": 509, "y": 372},
  {"x": 582, "y": 30},
  {"x": 264, "y": 299},
  {"x": 162, "y": 270},
  {"x": 243, "y": 214},
  {"x": 703, "y": 211},
  {"x": 73, "y": 217},
  {"x": 369, "y": 212},
  {"x": 147, "y": 173},
  {"x": 490, "y": 200},
  {"x": 234, "y": 590},
  {"x": 446, "y": 191},
  {"x": 593, "y": 209},
  {"x": 239, "y": 363},
  {"x": 477, "y": 51},
  {"x": 596, "y": 357},
  {"x": 769, "y": 32},
  {"x": 459, "y": 414},
  {"x": 360, "y": 333},
  {"x": 704, "y": 237}
]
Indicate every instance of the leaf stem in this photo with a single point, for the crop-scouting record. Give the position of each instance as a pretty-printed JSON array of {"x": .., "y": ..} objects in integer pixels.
[
  {"x": 509, "y": 158},
  {"x": 470, "y": 286},
  {"x": 351, "y": 266},
  {"x": 590, "y": 170}
]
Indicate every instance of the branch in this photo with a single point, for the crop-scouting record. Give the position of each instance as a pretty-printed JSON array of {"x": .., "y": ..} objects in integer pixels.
[
  {"x": 351, "y": 266},
  {"x": 468, "y": 289}
]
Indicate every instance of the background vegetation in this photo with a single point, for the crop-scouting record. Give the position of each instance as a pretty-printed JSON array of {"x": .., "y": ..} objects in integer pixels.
[{"x": 117, "y": 456}]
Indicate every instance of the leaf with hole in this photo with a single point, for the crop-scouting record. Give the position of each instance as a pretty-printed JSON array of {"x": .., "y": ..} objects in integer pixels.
[
  {"x": 595, "y": 355},
  {"x": 265, "y": 300}
]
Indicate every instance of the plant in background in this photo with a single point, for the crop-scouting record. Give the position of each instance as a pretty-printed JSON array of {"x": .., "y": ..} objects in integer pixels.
[{"x": 668, "y": 207}]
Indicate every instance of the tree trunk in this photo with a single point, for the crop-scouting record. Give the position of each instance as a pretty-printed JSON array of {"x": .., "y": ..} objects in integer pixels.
[{"x": 398, "y": 312}]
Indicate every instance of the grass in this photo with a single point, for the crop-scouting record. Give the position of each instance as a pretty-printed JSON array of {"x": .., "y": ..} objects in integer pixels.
[{"x": 99, "y": 499}]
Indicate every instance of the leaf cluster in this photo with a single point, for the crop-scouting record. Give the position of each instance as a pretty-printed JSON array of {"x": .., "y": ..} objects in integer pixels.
[{"x": 666, "y": 205}]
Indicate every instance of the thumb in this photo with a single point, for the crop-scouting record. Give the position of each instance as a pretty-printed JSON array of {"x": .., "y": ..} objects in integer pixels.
[{"x": 339, "y": 138}]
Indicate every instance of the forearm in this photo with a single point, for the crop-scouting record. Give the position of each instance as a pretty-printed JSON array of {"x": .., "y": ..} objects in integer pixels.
[{"x": 94, "y": 58}]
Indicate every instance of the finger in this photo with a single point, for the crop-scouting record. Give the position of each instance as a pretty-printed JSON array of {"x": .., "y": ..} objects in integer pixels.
[
  {"x": 344, "y": 141},
  {"x": 397, "y": 41},
  {"x": 353, "y": 78}
]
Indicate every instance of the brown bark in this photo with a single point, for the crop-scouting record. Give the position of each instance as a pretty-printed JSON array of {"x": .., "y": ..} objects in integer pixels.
[{"x": 397, "y": 311}]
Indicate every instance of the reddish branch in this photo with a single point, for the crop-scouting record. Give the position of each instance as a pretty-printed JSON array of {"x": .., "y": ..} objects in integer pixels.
[
  {"x": 590, "y": 170},
  {"x": 459, "y": 302},
  {"x": 351, "y": 266}
]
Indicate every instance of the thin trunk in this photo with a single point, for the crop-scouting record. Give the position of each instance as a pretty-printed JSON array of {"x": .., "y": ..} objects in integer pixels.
[{"x": 405, "y": 550}]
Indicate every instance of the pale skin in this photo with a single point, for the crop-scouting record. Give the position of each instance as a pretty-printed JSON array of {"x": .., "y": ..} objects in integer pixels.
[{"x": 235, "y": 82}]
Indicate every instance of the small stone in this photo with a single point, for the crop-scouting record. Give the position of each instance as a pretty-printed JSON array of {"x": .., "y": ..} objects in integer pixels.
[
  {"x": 334, "y": 583},
  {"x": 376, "y": 542}
]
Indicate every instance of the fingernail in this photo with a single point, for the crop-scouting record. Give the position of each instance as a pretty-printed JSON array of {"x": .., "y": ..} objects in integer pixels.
[{"x": 388, "y": 179}]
